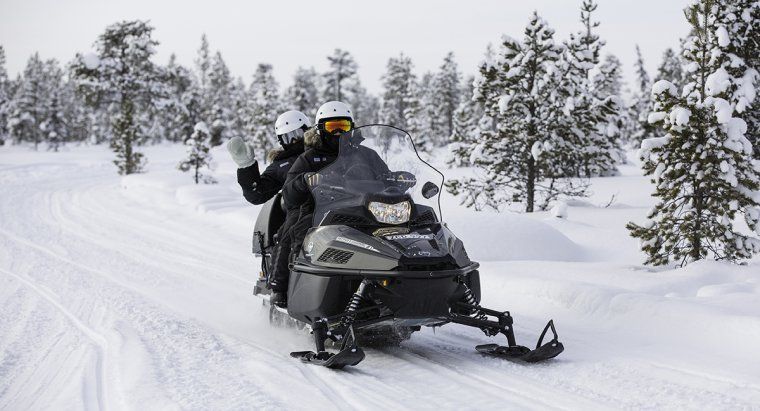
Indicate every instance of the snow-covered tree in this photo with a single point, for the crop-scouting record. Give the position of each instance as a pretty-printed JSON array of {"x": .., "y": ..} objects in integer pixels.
[
  {"x": 400, "y": 99},
  {"x": 25, "y": 109},
  {"x": 431, "y": 128},
  {"x": 264, "y": 106},
  {"x": 517, "y": 88},
  {"x": 220, "y": 106},
  {"x": 446, "y": 97},
  {"x": 122, "y": 75},
  {"x": 607, "y": 83},
  {"x": 738, "y": 41},
  {"x": 303, "y": 94},
  {"x": 342, "y": 71},
  {"x": 198, "y": 159},
  {"x": 5, "y": 97},
  {"x": 702, "y": 168},
  {"x": 670, "y": 69},
  {"x": 641, "y": 104},
  {"x": 466, "y": 127},
  {"x": 203, "y": 69},
  {"x": 585, "y": 120},
  {"x": 183, "y": 106}
]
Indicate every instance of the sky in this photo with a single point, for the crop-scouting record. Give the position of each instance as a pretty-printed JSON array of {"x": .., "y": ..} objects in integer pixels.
[{"x": 287, "y": 34}]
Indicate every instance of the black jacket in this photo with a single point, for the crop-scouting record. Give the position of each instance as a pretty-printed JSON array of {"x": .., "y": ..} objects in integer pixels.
[
  {"x": 296, "y": 191},
  {"x": 259, "y": 188}
]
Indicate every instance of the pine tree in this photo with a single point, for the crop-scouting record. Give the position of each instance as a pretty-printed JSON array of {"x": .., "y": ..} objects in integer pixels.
[
  {"x": 702, "y": 169},
  {"x": 263, "y": 109},
  {"x": 446, "y": 97},
  {"x": 586, "y": 147},
  {"x": 342, "y": 70},
  {"x": 178, "y": 116},
  {"x": 431, "y": 127},
  {"x": 198, "y": 155},
  {"x": 25, "y": 109},
  {"x": 5, "y": 97},
  {"x": 466, "y": 127},
  {"x": 641, "y": 104},
  {"x": 738, "y": 40},
  {"x": 202, "y": 70},
  {"x": 670, "y": 69},
  {"x": 400, "y": 105},
  {"x": 607, "y": 84},
  {"x": 122, "y": 76},
  {"x": 53, "y": 125},
  {"x": 303, "y": 94},
  {"x": 221, "y": 111},
  {"x": 517, "y": 88}
]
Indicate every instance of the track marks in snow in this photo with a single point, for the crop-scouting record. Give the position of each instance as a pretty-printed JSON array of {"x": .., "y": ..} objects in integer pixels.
[{"x": 98, "y": 340}]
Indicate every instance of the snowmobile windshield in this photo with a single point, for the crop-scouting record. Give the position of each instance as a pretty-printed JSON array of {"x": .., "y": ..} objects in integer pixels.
[{"x": 377, "y": 179}]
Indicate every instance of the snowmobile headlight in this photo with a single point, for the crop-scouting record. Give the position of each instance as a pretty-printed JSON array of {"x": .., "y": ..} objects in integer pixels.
[{"x": 391, "y": 213}]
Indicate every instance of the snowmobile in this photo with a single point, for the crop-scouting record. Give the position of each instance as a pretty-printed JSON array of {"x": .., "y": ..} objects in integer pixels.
[{"x": 379, "y": 260}]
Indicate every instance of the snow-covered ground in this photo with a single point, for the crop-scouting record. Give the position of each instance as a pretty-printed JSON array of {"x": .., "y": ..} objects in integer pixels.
[{"x": 136, "y": 293}]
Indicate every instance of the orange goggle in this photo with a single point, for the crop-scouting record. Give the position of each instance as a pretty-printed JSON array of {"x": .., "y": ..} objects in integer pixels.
[{"x": 337, "y": 126}]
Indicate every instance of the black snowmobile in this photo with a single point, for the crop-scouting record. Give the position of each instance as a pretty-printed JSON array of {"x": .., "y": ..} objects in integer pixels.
[{"x": 379, "y": 261}]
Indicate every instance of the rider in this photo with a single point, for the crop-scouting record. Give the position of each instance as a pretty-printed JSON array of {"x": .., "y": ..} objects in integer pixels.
[
  {"x": 258, "y": 189},
  {"x": 334, "y": 119}
]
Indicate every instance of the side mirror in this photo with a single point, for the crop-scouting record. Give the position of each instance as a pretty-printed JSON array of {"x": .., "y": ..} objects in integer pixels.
[{"x": 429, "y": 190}]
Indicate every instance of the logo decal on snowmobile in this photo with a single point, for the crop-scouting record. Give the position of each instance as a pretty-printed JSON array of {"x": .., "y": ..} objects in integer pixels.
[
  {"x": 415, "y": 236},
  {"x": 357, "y": 243}
]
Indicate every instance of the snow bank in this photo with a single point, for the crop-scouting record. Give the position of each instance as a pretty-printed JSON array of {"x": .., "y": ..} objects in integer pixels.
[{"x": 490, "y": 236}]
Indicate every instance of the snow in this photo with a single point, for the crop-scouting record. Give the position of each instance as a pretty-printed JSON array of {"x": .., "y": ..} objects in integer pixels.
[
  {"x": 91, "y": 61},
  {"x": 201, "y": 127},
  {"x": 680, "y": 116},
  {"x": 664, "y": 85},
  {"x": 135, "y": 292},
  {"x": 722, "y": 34},
  {"x": 717, "y": 82}
]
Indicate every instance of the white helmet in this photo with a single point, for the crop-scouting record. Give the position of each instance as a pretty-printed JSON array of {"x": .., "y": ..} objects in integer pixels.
[
  {"x": 290, "y": 126},
  {"x": 289, "y": 121},
  {"x": 333, "y": 109}
]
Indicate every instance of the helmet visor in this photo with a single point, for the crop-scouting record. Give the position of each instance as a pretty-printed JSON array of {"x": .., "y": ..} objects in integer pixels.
[
  {"x": 291, "y": 136},
  {"x": 337, "y": 126}
]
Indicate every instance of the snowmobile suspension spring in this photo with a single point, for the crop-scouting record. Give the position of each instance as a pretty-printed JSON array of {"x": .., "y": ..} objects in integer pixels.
[
  {"x": 356, "y": 299},
  {"x": 469, "y": 298}
]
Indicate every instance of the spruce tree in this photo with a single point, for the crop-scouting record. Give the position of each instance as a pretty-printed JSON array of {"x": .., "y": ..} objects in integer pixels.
[
  {"x": 220, "y": 105},
  {"x": 198, "y": 155},
  {"x": 607, "y": 84},
  {"x": 26, "y": 108},
  {"x": 5, "y": 97},
  {"x": 176, "y": 114},
  {"x": 121, "y": 75},
  {"x": 466, "y": 127},
  {"x": 446, "y": 97},
  {"x": 342, "y": 70},
  {"x": 431, "y": 128},
  {"x": 303, "y": 94},
  {"x": 203, "y": 69},
  {"x": 702, "y": 168},
  {"x": 670, "y": 69},
  {"x": 400, "y": 101},
  {"x": 264, "y": 106},
  {"x": 517, "y": 87},
  {"x": 587, "y": 137},
  {"x": 738, "y": 40},
  {"x": 641, "y": 104}
]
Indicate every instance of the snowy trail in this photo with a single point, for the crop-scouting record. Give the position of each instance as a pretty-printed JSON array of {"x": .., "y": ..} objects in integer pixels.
[{"x": 115, "y": 300}]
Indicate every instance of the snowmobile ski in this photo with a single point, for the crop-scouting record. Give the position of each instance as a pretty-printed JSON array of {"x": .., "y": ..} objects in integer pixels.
[
  {"x": 348, "y": 356},
  {"x": 521, "y": 353}
]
